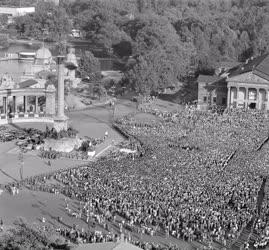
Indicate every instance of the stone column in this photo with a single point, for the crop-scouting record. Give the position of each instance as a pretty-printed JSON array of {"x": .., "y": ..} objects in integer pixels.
[
  {"x": 229, "y": 98},
  {"x": 15, "y": 111},
  {"x": 14, "y": 105},
  {"x": 258, "y": 98},
  {"x": 24, "y": 104},
  {"x": 60, "y": 101},
  {"x": 5, "y": 104},
  {"x": 50, "y": 100},
  {"x": 36, "y": 106},
  {"x": 247, "y": 98},
  {"x": 60, "y": 121},
  {"x": 237, "y": 97}
]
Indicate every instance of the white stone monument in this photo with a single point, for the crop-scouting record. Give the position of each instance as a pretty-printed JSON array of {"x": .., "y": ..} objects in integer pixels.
[{"x": 60, "y": 120}]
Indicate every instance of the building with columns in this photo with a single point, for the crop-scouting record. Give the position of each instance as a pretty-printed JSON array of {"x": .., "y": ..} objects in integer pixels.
[
  {"x": 22, "y": 104},
  {"x": 34, "y": 100},
  {"x": 244, "y": 86}
]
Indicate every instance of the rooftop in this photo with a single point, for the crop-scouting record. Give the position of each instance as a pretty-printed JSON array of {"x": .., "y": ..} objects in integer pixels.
[
  {"x": 258, "y": 65},
  {"x": 208, "y": 78},
  {"x": 27, "y": 83},
  {"x": 43, "y": 53}
]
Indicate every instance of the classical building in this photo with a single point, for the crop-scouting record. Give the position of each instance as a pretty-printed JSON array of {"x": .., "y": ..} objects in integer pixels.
[
  {"x": 25, "y": 103},
  {"x": 34, "y": 98},
  {"x": 42, "y": 60},
  {"x": 15, "y": 11},
  {"x": 244, "y": 86}
]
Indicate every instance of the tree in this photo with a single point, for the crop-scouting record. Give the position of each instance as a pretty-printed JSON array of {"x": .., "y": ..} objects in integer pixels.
[
  {"x": 99, "y": 90},
  {"x": 47, "y": 17},
  {"x": 89, "y": 66},
  {"x": 3, "y": 19},
  {"x": 161, "y": 57},
  {"x": 4, "y": 41}
]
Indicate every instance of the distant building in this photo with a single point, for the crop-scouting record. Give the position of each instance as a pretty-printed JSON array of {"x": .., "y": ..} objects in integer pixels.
[
  {"x": 56, "y": 2},
  {"x": 209, "y": 95},
  {"x": 243, "y": 86},
  {"x": 15, "y": 12}
]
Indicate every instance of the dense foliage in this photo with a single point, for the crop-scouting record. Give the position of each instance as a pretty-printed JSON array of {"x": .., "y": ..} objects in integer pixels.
[
  {"x": 48, "y": 22},
  {"x": 166, "y": 39},
  {"x": 89, "y": 66}
]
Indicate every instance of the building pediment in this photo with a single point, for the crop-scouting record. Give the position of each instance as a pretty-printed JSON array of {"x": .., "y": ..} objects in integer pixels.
[{"x": 247, "y": 78}]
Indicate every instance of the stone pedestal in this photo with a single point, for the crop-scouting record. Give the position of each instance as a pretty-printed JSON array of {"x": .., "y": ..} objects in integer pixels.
[{"x": 60, "y": 123}]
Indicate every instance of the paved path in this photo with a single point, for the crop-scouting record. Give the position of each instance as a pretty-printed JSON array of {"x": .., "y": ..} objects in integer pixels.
[{"x": 92, "y": 123}]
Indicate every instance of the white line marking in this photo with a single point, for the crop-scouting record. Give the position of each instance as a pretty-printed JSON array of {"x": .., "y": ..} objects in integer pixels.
[{"x": 102, "y": 151}]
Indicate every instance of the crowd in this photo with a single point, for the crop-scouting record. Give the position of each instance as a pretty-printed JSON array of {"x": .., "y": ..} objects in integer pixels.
[
  {"x": 203, "y": 190},
  {"x": 261, "y": 226}
]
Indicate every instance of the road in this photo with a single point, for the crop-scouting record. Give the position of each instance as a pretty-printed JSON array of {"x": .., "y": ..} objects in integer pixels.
[{"x": 91, "y": 122}]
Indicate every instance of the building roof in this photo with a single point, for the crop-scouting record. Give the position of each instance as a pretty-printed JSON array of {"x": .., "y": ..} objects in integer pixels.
[
  {"x": 27, "y": 83},
  {"x": 208, "y": 78},
  {"x": 258, "y": 65},
  {"x": 43, "y": 53},
  {"x": 227, "y": 64}
]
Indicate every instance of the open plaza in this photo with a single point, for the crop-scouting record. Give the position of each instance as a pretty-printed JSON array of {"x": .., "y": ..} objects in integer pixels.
[{"x": 134, "y": 125}]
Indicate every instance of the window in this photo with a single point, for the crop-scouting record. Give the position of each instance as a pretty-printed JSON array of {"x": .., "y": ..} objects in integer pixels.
[
  {"x": 214, "y": 99},
  {"x": 223, "y": 101},
  {"x": 205, "y": 98}
]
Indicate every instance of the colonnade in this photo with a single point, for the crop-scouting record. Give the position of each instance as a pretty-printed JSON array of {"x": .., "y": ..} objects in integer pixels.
[
  {"x": 14, "y": 109},
  {"x": 253, "y": 97},
  {"x": 16, "y": 102}
]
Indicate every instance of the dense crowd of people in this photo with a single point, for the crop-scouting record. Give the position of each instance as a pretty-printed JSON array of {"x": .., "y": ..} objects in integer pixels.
[{"x": 202, "y": 188}]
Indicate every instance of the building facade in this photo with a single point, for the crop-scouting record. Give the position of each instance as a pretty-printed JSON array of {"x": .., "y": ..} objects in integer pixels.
[
  {"x": 211, "y": 91},
  {"x": 248, "y": 91},
  {"x": 245, "y": 86}
]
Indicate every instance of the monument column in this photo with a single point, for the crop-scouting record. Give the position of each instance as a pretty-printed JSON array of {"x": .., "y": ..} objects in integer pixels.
[
  {"x": 50, "y": 100},
  {"x": 60, "y": 121},
  {"x": 60, "y": 101}
]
